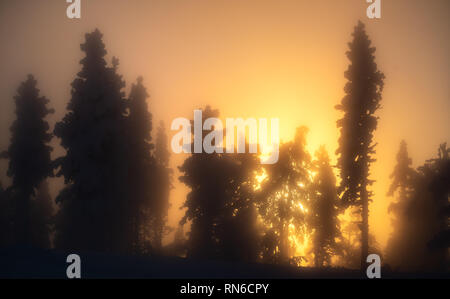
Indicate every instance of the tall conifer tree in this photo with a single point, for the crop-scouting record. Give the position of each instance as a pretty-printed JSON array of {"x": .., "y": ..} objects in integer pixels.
[
  {"x": 94, "y": 167},
  {"x": 163, "y": 185},
  {"x": 141, "y": 168},
  {"x": 29, "y": 156},
  {"x": 324, "y": 209},
  {"x": 356, "y": 147}
]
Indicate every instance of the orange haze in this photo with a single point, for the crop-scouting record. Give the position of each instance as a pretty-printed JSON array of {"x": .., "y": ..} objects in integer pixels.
[{"x": 252, "y": 58}]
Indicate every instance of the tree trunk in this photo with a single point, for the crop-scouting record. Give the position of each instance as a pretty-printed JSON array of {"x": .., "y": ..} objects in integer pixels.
[
  {"x": 22, "y": 218},
  {"x": 364, "y": 227},
  {"x": 284, "y": 244}
]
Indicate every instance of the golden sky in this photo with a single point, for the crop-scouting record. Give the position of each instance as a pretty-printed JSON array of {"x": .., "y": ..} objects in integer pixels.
[{"x": 248, "y": 58}]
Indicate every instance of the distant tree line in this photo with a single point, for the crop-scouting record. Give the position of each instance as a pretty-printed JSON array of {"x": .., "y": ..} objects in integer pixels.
[{"x": 117, "y": 182}]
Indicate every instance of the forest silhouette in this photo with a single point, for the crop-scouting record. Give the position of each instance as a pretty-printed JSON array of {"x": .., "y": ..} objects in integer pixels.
[{"x": 117, "y": 182}]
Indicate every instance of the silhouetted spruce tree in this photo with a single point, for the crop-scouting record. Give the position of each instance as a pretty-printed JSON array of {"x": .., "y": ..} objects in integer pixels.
[
  {"x": 163, "y": 185},
  {"x": 283, "y": 197},
  {"x": 29, "y": 157},
  {"x": 402, "y": 175},
  {"x": 418, "y": 242},
  {"x": 141, "y": 166},
  {"x": 324, "y": 210},
  {"x": 218, "y": 203},
  {"x": 402, "y": 187},
  {"x": 356, "y": 148},
  {"x": 238, "y": 229},
  {"x": 440, "y": 189},
  {"x": 93, "y": 205},
  {"x": 435, "y": 212},
  {"x": 205, "y": 200}
]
